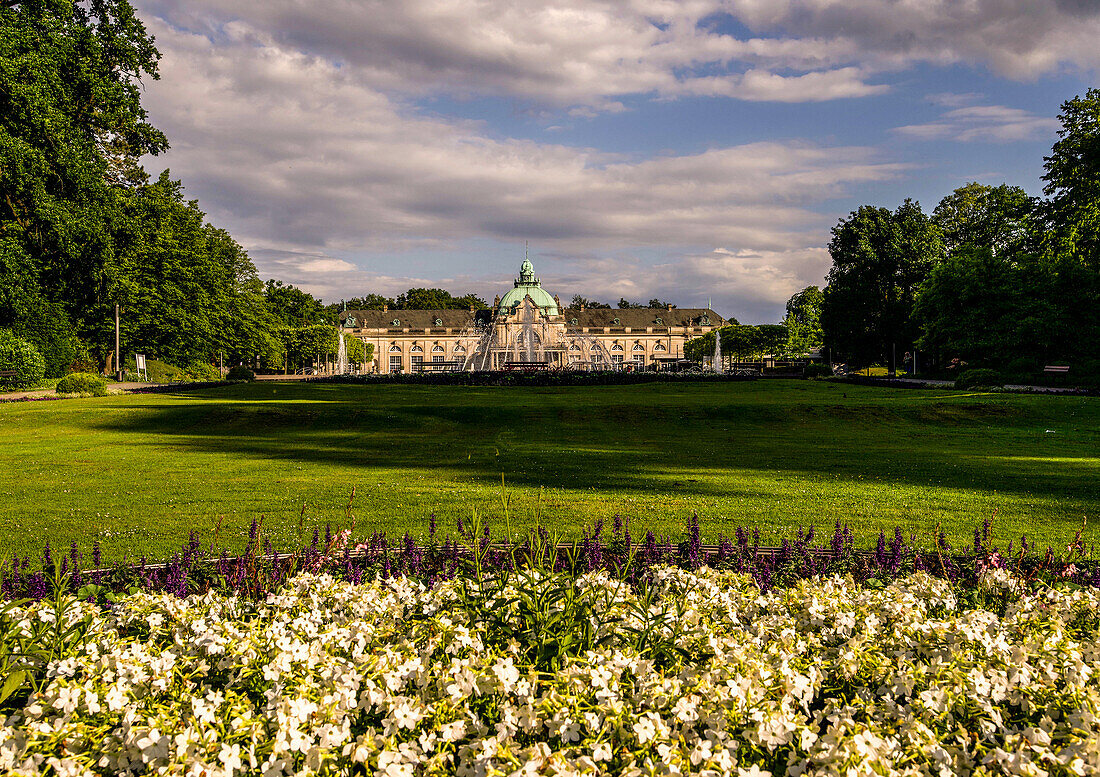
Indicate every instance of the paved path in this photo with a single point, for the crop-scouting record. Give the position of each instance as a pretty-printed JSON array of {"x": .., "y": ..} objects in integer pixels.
[
  {"x": 112, "y": 388},
  {"x": 1009, "y": 386}
]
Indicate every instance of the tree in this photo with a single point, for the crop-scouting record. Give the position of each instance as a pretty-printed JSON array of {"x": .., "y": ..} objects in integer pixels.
[
  {"x": 625, "y": 304},
  {"x": 437, "y": 299},
  {"x": 999, "y": 218},
  {"x": 988, "y": 309},
  {"x": 71, "y": 130},
  {"x": 656, "y": 303},
  {"x": 879, "y": 261},
  {"x": 1072, "y": 180},
  {"x": 803, "y": 321},
  {"x": 583, "y": 302},
  {"x": 291, "y": 306}
]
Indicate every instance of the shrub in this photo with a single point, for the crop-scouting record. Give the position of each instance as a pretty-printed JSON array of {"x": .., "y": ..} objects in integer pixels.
[
  {"x": 82, "y": 383},
  {"x": 817, "y": 370},
  {"x": 978, "y": 377},
  {"x": 1023, "y": 368},
  {"x": 240, "y": 373},
  {"x": 202, "y": 371},
  {"x": 19, "y": 356}
]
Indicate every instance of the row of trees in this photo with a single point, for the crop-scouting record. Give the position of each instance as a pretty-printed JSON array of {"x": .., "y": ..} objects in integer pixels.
[
  {"x": 992, "y": 277},
  {"x": 83, "y": 227},
  {"x": 741, "y": 342}
]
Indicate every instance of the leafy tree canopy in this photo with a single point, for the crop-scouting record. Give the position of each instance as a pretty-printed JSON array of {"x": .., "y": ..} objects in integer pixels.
[
  {"x": 291, "y": 306},
  {"x": 999, "y": 218},
  {"x": 579, "y": 302},
  {"x": 880, "y": 258},
  {"x": 1072, "y": 180}
]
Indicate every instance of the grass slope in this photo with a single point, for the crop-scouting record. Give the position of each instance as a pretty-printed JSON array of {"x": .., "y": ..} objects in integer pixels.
[{"x": 139, "y": 472}]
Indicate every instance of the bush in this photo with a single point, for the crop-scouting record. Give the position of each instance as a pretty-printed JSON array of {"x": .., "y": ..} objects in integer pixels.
[
  {"x": 1023, "y": 367},
  {"x": 19, "y": 356},
  {"x": 979, "y": 377},
  {"x": 202, "y": 371},
  {"x": 82, "y": 383},
  {"x": 240, "y": 373},
  {"x": 817, "y": 370}
]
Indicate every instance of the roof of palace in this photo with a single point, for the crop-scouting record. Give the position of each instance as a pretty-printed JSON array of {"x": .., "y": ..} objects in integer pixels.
[
  {"x": 598, "y": 318},
  {"x": 527, "y": 285}
]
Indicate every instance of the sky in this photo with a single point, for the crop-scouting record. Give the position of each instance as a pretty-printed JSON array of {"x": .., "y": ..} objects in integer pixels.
[{"x": 697, "y": 151}]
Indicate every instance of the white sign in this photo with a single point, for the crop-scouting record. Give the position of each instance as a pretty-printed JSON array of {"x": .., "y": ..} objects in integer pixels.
[{"x": 140, "y": 359}]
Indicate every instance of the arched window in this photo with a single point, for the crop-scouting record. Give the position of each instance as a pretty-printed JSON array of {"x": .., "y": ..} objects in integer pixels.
[
  {"x": 638, "y": 346},
  {"x": 395, "y": 348},
  {"x": 617, "y": 346},
  {"x": 437, "y": 348},
  {"x": 659, "y": 346},
  {"x": 574, "y": 347},
  {"x": 460, "y": 349},
  {"x": 416, "y": 349}
]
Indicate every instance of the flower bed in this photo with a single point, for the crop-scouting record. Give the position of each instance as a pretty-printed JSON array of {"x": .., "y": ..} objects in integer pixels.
[{"x": 536, "y": 672}]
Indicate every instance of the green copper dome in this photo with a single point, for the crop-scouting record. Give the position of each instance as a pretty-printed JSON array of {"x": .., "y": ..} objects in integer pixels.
[{"x": 528, "y": 285}]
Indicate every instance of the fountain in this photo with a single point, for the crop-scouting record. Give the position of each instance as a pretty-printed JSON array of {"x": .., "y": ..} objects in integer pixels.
[
  {"x": 718, "y": 351},
  {"x": 341, "y": 353}
]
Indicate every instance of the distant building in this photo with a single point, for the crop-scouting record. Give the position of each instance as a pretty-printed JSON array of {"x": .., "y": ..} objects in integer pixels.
[{"x": 527, "y": 326}]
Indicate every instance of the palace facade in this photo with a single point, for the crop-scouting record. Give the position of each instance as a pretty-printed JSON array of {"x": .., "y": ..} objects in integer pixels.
[{"x": 526, "y": 328}]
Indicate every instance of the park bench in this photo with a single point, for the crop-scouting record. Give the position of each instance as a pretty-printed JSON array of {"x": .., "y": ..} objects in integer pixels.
[{"x": 1056, "y": 369}]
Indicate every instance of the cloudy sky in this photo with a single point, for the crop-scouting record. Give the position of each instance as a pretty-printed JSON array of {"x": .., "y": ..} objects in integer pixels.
[{"x": 681, "y": 149}]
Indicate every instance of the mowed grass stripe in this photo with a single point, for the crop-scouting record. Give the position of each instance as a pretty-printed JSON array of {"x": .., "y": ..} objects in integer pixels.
[{"x": 139, "y": 472}]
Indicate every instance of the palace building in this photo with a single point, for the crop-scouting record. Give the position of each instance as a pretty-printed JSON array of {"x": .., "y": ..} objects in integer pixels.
[{"x": 527, "y": 328}]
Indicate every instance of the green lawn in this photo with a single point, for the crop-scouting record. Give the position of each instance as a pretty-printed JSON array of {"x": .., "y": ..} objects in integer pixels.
[{"x": 139, "y": 472}]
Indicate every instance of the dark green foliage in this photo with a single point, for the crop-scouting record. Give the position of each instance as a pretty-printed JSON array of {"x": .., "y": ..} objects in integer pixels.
[
  {"x": 71, "y": 130},
  {"x": 879, "y": 261},
  {"x": 189, "y": 292},
  {"x": 1072, "y": 180},
  {"x": 980, "y": 377},
  {"x": 436, "y": 299},
  {"x": 740, "y": 342},
  {"x": 988, "y": 309},
  {"x": 21, "y": 357},
  {"x": 1000, "y": 218},
  {"x": 201, "y": 371},
  {"x": 583, "y": 302},
  {"x": 240, "y": 373},
  {"x": 291, "y": 306},
  {"x": 803, "y": 321},
  {"x": 82, "y": 383},
  {"x": 817, "y": 370}
]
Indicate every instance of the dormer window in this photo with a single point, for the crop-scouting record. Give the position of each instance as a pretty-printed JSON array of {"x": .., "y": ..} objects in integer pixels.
[
  {"x": 573, "y": 321},
  {"x": 396, "y": 322},
  {"x": 615, "y": 321},
  {"x": 705, "y": 320},
  {"x": 439, "y": 322},
  {"x": 658, "y": 320}
]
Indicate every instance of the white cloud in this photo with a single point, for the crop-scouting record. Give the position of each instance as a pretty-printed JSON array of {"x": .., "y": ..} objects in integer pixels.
[
  {"x": 1019, "y": 39},
  {"x": 986, "y": 123},
  {"x": 288, "y": 149}
]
